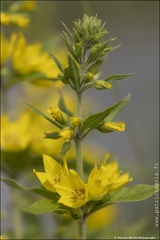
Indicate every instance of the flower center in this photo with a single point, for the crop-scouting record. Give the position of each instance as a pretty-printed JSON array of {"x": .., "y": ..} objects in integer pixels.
[
  {"x": 78, "y": 194},
  {"x": 56, "y": 178}
]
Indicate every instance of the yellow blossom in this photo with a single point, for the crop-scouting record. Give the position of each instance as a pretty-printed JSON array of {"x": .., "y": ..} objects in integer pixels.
[
  {"x": 15, "y": 135},
  {"x": 2, "y": 238},
  {"x": 18, "y": 19},
  {"x": 66, "y": 134},
  {"x": 101, "y": 84},
  {"x": 72, "y": 189},
  {"x": 112, "y": 127},
  {"x": 58, "y": 115},
  {"x": 101, "y": 181},
  {"x": 52, "y": 174},
  {"x": 28, "y": 5},
  {"x": 19, "y": 53}
]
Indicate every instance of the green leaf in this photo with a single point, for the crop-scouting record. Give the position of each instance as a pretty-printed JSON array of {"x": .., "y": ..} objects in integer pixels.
[
  {"x": 42, "y": 115},
  {"x": 44, "y": 206},
  {"x": 66, "y": 146},
  {"x": 118, "y": 107},
  {"x": 63, "y": 106},
  {"x": 73, "y": 72},
  {"x": 40, "y": 191},
  {"x": 134, "y": 193},
  {"x": 53, "y": 135},
  {"x": 57, "y": 62},
  {"x": 109, "y": 114},
  {"x": 94, "y": 57},
  {"x": 118, "y": 77},
  {"x": 95, "y": 67},
  {"x": 69, "y": 45}
]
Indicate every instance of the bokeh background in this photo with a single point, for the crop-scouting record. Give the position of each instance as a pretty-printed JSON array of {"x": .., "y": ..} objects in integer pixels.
[{"x": 136, "y": 26}]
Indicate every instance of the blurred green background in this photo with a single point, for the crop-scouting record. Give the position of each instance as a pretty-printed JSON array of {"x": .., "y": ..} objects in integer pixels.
[{"x": 136, "y": 26}]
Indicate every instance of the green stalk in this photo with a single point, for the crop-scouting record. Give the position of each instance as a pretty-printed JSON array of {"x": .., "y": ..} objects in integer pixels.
[
  {"x": 82, "y": 228},
  {"x": 79, "y": 162}
]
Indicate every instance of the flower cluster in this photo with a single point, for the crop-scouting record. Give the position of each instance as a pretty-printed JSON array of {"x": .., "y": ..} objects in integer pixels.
[{"x": 73, "y": 191}]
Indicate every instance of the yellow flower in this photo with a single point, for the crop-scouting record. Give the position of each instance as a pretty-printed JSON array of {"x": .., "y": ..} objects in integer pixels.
[
  {"x": 52, "y": 174},
  {"x": 3, "y": 238},
  {"x": 14, "y": 18},
  {"x": 105, "y": 179},
  {"x": 28, "y": 5},
  {"x": 76, "y": 121},
  {"x": 58, "y": 115},
  {"x": 16, "y": 135},
  {"x": 66, "y": 134},
  {"x": 112, "y": 127},
  {"x": 19, "y": 53},
  {"x": 72, "y": 189}
]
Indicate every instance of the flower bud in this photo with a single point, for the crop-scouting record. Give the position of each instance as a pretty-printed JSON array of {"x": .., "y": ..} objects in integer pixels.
[
  {"x": 76, "y": 121},
  {"x": 112, "y": 127},
  {"x": 101, "y": 84},
  {"x": 58, "y": 115},
  {"x": 66, "y": 134},
  {"x": 88, "y": 77}
]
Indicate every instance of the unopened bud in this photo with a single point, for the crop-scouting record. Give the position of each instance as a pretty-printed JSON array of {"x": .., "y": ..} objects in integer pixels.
[
  {"x": 101, "y": 84},
  {"x": 76, "y": 121},
  {"x": 112, "y": 127},
  {"x": 88, "y": 77},
  {"x": 66, "y": 134},
  {"x": 58, "y": 115}
]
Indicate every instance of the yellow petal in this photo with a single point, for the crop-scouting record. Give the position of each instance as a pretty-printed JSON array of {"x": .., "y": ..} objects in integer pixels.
[
  {"x": 51, "y": 166},
  {"x": 46, "y": 180}
]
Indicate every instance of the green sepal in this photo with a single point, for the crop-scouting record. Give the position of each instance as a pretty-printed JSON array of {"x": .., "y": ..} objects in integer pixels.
[
  {"x": 53, "y": 135},
  {"x": 118, "y": 77},
  {"x": 65, "y": 148},
  {"x": 73, "y": 72},
  {"x": 45, "y": 206},
  {"x": 133, "y": 193},
  {"x": 57, "y": 62},
  {"x": 109, "y": 114},
  {"x": 42, "y": 115},
  {"x": 69, "y": 45},
  {"x": 62, "y": 105},
  {"x": 40, "y": 191},
  {"x": 95, "y": 67}
]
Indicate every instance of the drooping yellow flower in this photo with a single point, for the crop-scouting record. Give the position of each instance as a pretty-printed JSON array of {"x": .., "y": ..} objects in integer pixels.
[
  {"x": 66, "y": 134},
  {"x": 101, "y": 181},
  {"x": 72, "y": 189},
  {"x": 112, "y": 127},
  {"x": 15, "y": 135},
  {"x": 52, "y": 174},
  {"x": 18, "y": 19},
  {"x": 58, "y": 115}
]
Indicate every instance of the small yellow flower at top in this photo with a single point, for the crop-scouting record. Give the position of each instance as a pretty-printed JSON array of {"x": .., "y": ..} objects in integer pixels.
[
  {"x": 76, "y": 121},
  {"x": 14, "y": 18},
  {"x": 58, "y": 115},
  {"x": 66, "y": 134}
]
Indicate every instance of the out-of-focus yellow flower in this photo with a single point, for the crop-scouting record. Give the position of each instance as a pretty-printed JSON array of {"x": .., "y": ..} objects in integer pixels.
[
  {"x": 15, "y": 135},
  {"x": 106, "y": 178},
  {"x": 103, "y": 217},
  {"x": 66, "y": 134},
  {"x": 3, "y": 237},
  {"x": 112, "y": 127},
  {"x": 52, "y": 174},
  {"x": 29, "y": 58},
  {"x": 18, "y": 19},
  {"x": 28, "y": 5},
  {"x": 58, "y": 115}
]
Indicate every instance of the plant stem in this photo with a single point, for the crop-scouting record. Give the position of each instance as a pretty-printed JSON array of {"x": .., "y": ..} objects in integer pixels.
[
  {"x": 82, "y": 228},
  {"x": 79, "y": 162}
]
